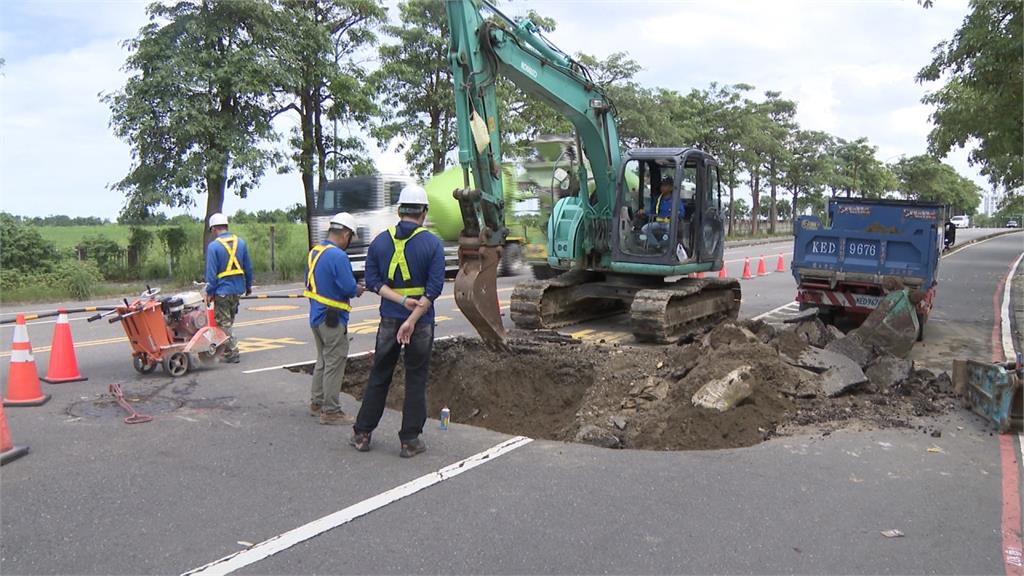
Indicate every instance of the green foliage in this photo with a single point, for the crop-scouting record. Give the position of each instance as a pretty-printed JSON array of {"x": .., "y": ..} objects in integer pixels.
[
  {"x": 102, "y": 250},
  {"x": 175, "y": 242},
  {"x": 69, "y": 279},
  {"x": 925, "y": 178},
  {"x": 22, "y": 248},
  {"x": 980, "y": 102},
  {"x": 57, "y": 220},
  {"x": 197, "y": 105},
  {"x": 415, "y": 87}
]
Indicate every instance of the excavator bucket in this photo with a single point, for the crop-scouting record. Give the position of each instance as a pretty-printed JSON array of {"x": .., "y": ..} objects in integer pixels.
[{"x": 476, "y": 289}]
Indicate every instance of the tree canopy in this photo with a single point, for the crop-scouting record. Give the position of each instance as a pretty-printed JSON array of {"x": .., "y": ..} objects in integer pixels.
[{"x": 980, "y": 102}]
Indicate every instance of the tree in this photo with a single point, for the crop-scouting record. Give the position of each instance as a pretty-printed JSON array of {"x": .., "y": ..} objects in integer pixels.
[
  {"x": 926, "y": 179},
  {"x": 321, "y": 79},
  {"x": 782, "y": 126},
  {"x": 196, "y": 109},
  {"x": 807, "y": 166},
  {"x": 981, "y": 100},
  {"x": 783, "y": 209},
  {"x": 415, "y": 87}
]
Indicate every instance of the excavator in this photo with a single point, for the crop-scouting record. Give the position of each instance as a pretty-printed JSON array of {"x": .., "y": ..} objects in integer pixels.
[{"x": 638, "y": 244}]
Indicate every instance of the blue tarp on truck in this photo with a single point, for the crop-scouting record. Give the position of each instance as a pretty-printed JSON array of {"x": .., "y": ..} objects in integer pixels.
[{"x": 871, "y": 248}]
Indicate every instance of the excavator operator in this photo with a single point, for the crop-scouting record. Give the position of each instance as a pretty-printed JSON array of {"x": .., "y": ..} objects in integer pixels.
[{"x": 657, "y": 226}]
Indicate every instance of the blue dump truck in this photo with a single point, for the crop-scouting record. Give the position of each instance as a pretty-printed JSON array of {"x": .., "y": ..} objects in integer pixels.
[{"x": 869, "y": 248}]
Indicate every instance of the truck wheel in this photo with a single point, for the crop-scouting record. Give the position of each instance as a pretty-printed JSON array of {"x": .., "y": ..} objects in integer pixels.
[
  {"x": 512, "y": 262},
  {"x": 920, "y": 326}
]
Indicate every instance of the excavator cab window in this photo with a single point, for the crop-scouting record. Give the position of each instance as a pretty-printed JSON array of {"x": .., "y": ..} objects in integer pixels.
[{"x": 653, "y": 219}]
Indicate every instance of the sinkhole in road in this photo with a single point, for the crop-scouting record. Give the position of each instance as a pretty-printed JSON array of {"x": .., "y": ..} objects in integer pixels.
[{"x": 553, "y": 387}]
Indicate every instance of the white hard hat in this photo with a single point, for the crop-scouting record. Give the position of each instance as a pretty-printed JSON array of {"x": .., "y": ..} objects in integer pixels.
[
  {"x": 218, "y": 219},
  {"x": 344, "y": 220},
  {"x": 413, "y": 195}
]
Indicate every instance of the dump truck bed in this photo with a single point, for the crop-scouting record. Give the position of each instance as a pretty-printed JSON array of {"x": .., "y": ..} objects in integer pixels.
[{"x": 870, "y": 248}]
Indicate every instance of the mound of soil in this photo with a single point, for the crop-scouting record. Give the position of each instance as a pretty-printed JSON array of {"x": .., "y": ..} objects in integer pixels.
[{"x": 642, "y": 397}]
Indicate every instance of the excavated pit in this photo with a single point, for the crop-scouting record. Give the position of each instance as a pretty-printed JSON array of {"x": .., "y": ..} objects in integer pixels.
[{"x": 553, "y": 387}]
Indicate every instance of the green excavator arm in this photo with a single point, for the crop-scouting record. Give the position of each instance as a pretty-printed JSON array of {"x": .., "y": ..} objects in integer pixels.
[{"x": 482, "y": 48}]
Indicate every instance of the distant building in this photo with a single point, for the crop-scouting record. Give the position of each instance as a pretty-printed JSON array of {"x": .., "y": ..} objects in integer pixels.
[{"x": 990, "y": 202}]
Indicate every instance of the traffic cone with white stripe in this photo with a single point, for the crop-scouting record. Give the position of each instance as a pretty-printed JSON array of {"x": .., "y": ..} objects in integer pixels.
[
  {"x": 23, "y": 388},
  {"x": 63, "y": 364},
  {"x": 722, "y": 273},
  {"x": 746, "y": 269},
  {"x": 760, "y": 267},
  {"x": 781, "y": 265},
  {"x": 8, "y": 451}
]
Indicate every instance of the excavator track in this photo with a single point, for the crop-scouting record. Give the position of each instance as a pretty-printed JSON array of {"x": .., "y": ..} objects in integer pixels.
[
  {"x": 563, "y": 300},
  {"x": 688, "y": 306},
  {"x": 659, "y": 312}
]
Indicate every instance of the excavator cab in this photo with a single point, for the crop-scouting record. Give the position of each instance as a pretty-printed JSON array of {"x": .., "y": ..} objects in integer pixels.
[{"x": 672, "y": 214}]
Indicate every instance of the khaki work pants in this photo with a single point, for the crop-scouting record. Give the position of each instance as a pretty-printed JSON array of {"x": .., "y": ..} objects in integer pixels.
[{"x": 329, "y": 371}]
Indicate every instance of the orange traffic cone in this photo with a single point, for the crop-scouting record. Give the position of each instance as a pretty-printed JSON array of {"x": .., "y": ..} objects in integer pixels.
[
  {"x": 8, "y": 451},
  {"x": 23, "y": 388},
  {"x": 700, "y": 274},
  {"x": 746, "y": 269},
  {"x": 760, "y": 267},
  {"x": 63, "y": 364},
  {"x": 780, "y": 266},
  {"x": 211, "y": 317},
  {"x": 722, "y": 273}
]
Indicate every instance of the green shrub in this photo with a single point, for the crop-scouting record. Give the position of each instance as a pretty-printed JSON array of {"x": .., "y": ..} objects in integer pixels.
[
  {"x": 79, "y": 278},
  {"x": 23, "y": 248}
]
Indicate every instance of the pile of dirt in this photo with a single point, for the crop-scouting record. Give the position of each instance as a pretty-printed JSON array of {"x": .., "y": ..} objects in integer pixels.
[{"x": 552, "y": 387}]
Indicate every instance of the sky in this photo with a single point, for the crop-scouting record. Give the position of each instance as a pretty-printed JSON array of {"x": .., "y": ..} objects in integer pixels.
[{"x": 850, "y": 65}]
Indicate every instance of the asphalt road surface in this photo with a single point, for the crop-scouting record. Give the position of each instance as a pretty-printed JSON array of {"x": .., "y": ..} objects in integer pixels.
[{"x": 232, "y": 459}]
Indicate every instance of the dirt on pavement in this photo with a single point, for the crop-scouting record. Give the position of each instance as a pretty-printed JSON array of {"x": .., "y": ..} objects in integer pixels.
[{"x": 553, "y": 387}]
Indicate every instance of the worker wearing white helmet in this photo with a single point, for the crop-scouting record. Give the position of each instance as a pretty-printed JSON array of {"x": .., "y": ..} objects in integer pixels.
[
  {"x": 228, "y": 276},
  {"x": 405, "y": 265},
  {"x": 330, "y": 285}
]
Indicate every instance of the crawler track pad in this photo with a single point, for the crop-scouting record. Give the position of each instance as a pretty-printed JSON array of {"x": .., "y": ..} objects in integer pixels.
[{"x": 476, "y": 292}]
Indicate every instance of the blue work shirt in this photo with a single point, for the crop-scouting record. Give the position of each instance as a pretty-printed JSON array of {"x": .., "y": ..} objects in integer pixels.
[
  {"x": 217, "y": 262},
  {"x": 661, "y": 207},
  {"x": 334, "y": 280},
  {"x": 425, "y": 256}
]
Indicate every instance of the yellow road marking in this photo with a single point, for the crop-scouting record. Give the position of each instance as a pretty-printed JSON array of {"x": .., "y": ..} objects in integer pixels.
[
  {"x": 246, "y": 345},
  {"x": 274, "y": 320}
]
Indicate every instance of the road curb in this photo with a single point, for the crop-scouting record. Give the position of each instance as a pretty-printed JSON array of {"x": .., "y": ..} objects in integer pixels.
[
  {"x": 960, "y": 247},
  {"x": 759, "y": 242}
]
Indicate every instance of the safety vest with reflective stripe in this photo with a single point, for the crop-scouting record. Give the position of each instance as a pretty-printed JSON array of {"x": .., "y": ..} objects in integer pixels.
[
  {"x": 311, "y": 293},
  {"x": 233, "y": 268},
  {"x": 657, "y": 211},
  {"x": 398, "y": 263}
]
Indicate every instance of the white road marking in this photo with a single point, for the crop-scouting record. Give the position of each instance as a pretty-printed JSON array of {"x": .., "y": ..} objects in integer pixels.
[
  {"x": 785, "y": 307},
  {"x": 271, "y": 546},
  {"x": 1008, "y": 348}
]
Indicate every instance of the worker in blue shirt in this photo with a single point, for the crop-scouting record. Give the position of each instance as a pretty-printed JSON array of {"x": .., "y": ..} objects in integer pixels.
[
  {"x": 228, "y": 276},
  {"x": 330, "y": 285},
  {"x": 660, "y": 218},
  {"x": 405, "y": 265}
]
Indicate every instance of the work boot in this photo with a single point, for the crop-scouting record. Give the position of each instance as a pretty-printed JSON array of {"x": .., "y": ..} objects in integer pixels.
[
  {"x": 360, "y": 441},
  {"x": 412, "y": 447},
  {"x": 335, "y": 418},
  {"x": 314, "y": 408}
]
